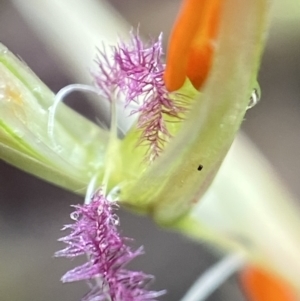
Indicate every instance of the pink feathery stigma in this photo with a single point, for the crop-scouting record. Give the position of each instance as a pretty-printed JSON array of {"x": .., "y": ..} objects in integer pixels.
[
  {"x": 94, "y": 234},
  {"x": 135, "y": 70}
]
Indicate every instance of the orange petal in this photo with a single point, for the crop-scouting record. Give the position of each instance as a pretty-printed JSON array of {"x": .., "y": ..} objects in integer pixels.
[
  {"x": 262, "y": 286},
  {"x": 191, "y": 48},
  {"x": 202, "y": 49}
]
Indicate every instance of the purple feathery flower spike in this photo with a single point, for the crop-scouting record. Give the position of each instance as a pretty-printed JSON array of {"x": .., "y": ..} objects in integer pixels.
[
  {"x": 95, "y": 235},
  {"x": 135, "y": 71}
]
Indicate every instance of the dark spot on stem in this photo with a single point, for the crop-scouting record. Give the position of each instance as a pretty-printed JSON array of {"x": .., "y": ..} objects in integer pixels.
[{"x": 200, "y": 167}]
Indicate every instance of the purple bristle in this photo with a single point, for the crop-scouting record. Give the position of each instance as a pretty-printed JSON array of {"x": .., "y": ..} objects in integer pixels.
[
  {"x": 135, "y": 71},
  {"x": 94, "y": 234}
]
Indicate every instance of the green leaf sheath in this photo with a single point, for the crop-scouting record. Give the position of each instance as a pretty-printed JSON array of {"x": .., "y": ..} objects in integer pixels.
[
  {"x": 75, "y": 152},
  {"x": 171, "y": 186}
]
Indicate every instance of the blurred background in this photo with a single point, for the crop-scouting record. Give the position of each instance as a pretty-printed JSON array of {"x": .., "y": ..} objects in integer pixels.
[{"x": 32, "y": 212}]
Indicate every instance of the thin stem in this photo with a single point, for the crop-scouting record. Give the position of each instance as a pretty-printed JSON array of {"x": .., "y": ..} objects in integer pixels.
[
  {"x": 90, "y": 190},
  {"x": 208, "y": 282},
  {"x": 111, "y": 154},
  {"x": 60, "y": 97}
]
